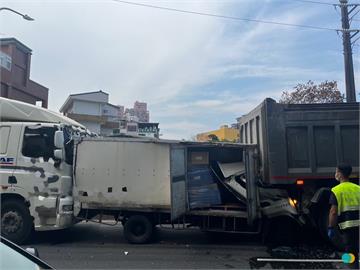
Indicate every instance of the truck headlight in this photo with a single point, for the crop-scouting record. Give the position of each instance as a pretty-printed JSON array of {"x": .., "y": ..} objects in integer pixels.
[{"x": 292, "y": 202}]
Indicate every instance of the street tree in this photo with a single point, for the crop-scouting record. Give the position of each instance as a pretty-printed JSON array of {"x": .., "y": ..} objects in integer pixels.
[
  {"x": 213, "y": 138},
  {"x": 325, "y": 92}
]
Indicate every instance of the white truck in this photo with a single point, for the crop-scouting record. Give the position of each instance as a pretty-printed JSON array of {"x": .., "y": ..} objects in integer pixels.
[{"x": 54, "y": 173}]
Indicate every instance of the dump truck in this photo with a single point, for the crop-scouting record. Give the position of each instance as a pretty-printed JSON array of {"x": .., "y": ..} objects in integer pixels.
[
  {"x": 54, "y": 173},
  {"x": 299, "y": 148}
]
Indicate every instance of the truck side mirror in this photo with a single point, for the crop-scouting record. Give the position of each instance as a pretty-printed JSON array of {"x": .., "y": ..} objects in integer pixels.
[
  {"x": 33, "y": 251},
  {"x": 58, "y": 154},
  {"x": 59, "y": 139}
]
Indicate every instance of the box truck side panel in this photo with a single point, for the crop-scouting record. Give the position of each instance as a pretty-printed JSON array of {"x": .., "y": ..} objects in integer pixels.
[{"x": 118, "y": 174}]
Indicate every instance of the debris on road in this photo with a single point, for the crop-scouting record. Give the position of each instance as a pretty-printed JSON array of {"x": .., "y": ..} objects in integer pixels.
[{"x": 300, "y": 252}]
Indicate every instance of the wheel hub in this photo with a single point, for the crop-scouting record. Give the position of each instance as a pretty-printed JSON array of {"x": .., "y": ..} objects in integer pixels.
[
  {"x": 139, "y": 230},
  {"x": 11, "y": 222}
]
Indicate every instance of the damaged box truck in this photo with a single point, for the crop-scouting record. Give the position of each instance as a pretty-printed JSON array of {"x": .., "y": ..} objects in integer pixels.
[{"x": 54, "y": 173}]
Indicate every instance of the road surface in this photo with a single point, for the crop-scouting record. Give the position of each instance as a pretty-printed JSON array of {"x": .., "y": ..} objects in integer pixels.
[
  {"x": 90, "y": 246},
  {"x": 95, "y": 246}
]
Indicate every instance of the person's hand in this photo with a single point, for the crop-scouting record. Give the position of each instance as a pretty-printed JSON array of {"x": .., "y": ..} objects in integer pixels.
[{"x": 331, "y": 232}]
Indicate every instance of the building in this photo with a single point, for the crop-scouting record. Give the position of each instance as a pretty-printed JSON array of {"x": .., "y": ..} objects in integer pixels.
[
  {"x": 139, "y": 113},
  {"x": 93, "y": 110},
  {"x": 138, "y": 129},
  {"x": 149, "y": 130},
  {"x": 140, "y": 110},
  {"x": 15, "y": 80},
  {"x": 224, "y": 133},
  {"x": 121, "y": 112},
  {"x": 130, "y": 115}
]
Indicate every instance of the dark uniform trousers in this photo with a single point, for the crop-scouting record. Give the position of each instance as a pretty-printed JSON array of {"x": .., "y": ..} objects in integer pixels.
[{"x": 351, "y": 244}]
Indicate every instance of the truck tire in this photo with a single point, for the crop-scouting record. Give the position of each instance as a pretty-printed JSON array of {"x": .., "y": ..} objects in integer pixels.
[
  {"x": 16, "y": 222},
  {"x": 138, "y": 229}
]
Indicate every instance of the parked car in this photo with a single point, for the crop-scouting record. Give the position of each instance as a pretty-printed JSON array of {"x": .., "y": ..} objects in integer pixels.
[{"x": 15, "y": 257}]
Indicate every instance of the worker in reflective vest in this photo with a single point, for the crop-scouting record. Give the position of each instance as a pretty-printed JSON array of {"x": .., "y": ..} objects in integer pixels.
[{"x": 344, "y": 211}]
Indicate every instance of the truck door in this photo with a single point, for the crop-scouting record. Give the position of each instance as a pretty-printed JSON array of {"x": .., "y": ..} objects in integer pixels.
[
  {"x": 39, "y": 174},
  {"x": 178, "y": 181},
  {"x": 251, "y": 185}
]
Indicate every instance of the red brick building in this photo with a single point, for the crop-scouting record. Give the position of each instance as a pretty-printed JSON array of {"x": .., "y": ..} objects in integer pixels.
[{"x": 15, "y": 60}]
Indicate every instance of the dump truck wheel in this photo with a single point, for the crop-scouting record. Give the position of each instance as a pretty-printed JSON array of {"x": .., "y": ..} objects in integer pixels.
[
  {"x": 138, "y": 230},
  {"x": 16, "y": 222}
]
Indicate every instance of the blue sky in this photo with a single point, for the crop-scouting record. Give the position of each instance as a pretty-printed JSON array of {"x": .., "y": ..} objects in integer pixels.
[{"x": 195, "y": 72}]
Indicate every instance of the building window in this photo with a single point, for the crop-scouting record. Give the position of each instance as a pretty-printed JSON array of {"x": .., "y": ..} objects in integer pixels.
[
  {"x": 5, "y": 61},
  {"x": 131, "y": 128}
]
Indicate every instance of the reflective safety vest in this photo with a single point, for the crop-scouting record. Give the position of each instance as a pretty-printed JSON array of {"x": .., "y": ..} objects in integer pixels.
[{"x": 348, "y": 198}]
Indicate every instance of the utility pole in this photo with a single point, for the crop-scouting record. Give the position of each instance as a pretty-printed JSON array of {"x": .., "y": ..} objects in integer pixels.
[{"x": 347, "y": 35}]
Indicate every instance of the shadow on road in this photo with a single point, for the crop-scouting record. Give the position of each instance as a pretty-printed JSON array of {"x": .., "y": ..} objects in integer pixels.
[{"x": 85, "y": 233}]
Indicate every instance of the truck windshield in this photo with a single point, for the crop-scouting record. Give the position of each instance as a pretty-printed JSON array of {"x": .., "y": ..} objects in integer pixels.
[{"x": 38, "y": 142}]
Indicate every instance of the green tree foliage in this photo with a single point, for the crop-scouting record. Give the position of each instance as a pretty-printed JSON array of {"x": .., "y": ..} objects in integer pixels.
[
  {"x": 325, "y": 92},
  {"x": 213, "y": 138}
]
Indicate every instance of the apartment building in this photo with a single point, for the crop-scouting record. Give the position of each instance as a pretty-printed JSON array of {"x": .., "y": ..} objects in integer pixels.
[
  {"x": 93, "y": 110},
  {"x": 15, "y": 58}
]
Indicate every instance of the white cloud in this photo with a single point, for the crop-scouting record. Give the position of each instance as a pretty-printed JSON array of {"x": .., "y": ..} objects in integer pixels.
[
  {"x": 289, "y": 72},
  {"x": 181, "y": 130},
  {"x": 208, "y": 103},
  {"x": 157, "y": 56}
]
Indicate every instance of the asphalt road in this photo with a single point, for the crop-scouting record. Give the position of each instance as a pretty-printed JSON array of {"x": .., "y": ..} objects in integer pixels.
[
  {"x": 95, "y": 246},
  {"x": 89, "y": 246}
]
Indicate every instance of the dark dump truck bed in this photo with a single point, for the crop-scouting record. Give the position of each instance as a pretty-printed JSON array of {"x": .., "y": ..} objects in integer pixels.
[{"x": 302, "y": 141}]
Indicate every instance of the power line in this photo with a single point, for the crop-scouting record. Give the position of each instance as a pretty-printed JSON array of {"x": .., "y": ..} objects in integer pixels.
[
  {"x": 320, "y": 3},
  {"x": 313, "y": 2},
  {"x": 226, "y": 17},
  {"x": 324, "y": 3}
]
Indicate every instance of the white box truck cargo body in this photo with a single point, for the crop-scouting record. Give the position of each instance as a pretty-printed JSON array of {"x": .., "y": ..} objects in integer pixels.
[
  {"x": 148, "y": 182},
  {"x": 122, "y": 174}
]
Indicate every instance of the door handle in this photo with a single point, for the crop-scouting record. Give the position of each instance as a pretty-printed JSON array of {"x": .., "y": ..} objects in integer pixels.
[{"x": 12, "y": 180}]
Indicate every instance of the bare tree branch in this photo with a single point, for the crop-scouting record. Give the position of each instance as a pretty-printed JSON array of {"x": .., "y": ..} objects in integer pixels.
[{"x": 325, "y": 92}]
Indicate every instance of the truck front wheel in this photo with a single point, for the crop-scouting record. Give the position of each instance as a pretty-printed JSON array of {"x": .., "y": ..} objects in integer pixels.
[
  {"x": 138, "y": 229},
  {"x": 16, "y": 222}
]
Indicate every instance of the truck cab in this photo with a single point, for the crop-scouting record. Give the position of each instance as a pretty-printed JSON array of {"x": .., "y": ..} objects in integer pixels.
[
  {"x": 35, "y": 170},
  {"x": 36, "y": 186}
]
